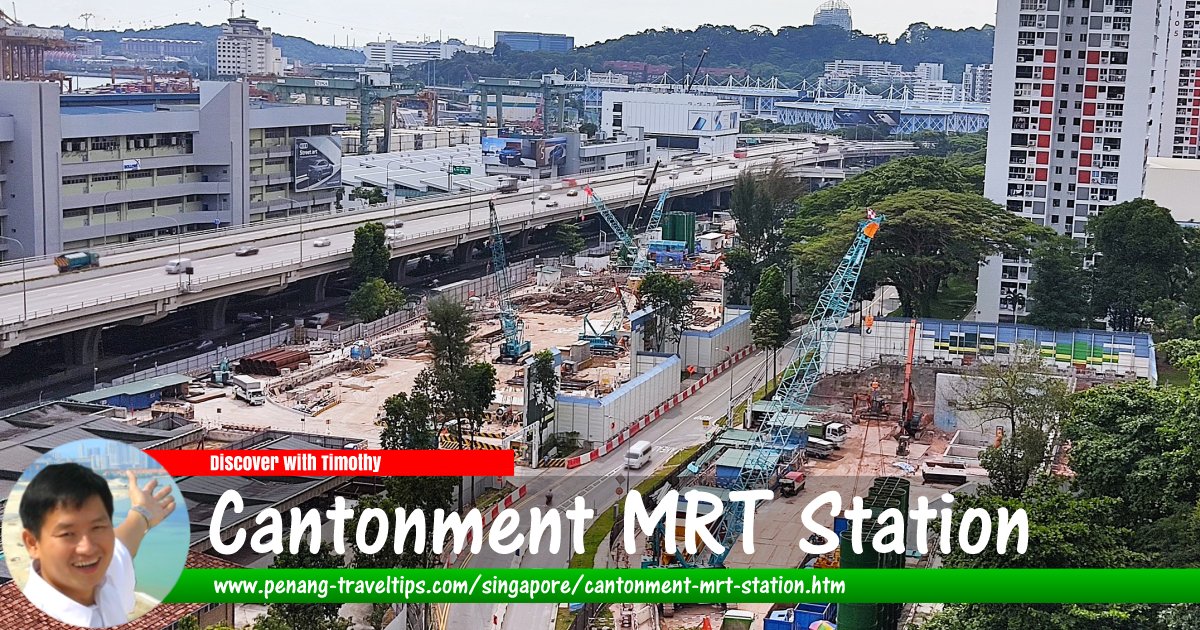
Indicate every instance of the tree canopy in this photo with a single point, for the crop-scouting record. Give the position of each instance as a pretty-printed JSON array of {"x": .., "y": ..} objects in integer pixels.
[
  {"x": 374, "y": 299},
  {"x": 928, "y": 237},
  {"x": 370, "y": 255},
  {"x": 1060, "y": 287},
  {"x": 1141, "y": 253},
  {"x": 671, "y": 298}
]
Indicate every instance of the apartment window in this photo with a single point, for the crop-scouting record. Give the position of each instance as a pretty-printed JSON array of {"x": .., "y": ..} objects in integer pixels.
[
  {"x": 74, "y": 212},
  {"x": 617, "y": 107},
  {"x": 276, "y": 132},
  {"x": 104, "y": 143},
  {"x": 1067, "y": 53},
  {"x": 141, "y": 205},
  {"x": 170, "y": 201},
  {"x": 1068, "y": 37},
  {"x": 616, "y": 122},
  {"x": 73, "y": 181},
  {"x": 146, "y": 174},
  {"x": 175, "y": 170},
  {"x": 74, "y": 145},
  {"x": 1058, "y": 170},
  {"x": 105, "y": 177},
  {"x": 139, "y": 142},
  {"x": 1058, "y": 154},
  {"x": 1057, "y": 186}
]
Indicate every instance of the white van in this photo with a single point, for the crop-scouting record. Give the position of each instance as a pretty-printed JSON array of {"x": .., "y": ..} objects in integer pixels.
[
  {"x": 178, "y": 265},
  {"x": 638, "y": 455}
]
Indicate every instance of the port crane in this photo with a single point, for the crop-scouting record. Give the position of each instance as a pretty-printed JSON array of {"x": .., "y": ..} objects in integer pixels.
[
  {"x": 778, "y": 444},
  {"x": 514, "y": 346}
]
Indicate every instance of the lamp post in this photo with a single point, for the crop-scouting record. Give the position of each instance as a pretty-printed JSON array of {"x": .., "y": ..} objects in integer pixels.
[
  {"x": 24, "y": 300},
  {"x": 104, "y": 211}
]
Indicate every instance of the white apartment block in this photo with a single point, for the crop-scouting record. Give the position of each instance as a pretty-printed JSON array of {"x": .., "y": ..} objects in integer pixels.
[
  {"x": 244, "y": 49},
  {"x": 930, "y": 71},
  {"x": 936, "y": 91},
  {"x": 1074, "y": 109},
  {"x": 874, "y": 70},
  {"x": 977, "y": 83}
]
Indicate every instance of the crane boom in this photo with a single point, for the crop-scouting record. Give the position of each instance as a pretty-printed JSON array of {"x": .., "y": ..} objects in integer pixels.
[
  {"x": 779, "y": 440},
  {"x": 641, "y": 265},
  {"x": 514, "y": 346}
]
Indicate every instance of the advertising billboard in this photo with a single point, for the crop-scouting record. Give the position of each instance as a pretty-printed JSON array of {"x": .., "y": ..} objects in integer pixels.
[
  {"x": 699, "y": 120},
  {"x": 887, "y": 119},
  {"x": 318, "y": 163},
  {"x": 527, "y": 152}
]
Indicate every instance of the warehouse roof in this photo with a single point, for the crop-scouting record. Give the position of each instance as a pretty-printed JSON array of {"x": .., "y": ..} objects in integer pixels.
[{"x": 130, "y": 389}]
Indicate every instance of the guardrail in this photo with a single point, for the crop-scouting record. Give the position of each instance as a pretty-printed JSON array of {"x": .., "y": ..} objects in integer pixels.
[{"x": 174, "y": 289}]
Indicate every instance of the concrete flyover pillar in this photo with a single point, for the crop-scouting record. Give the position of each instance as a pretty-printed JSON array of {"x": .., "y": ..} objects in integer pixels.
[
  {"x": 461, "y": 253},
  {"x": 82, "y": 347},
  {"x": 210, "y": 315},
  {"x": 314, "y": 288},
  {"x": 521, "y": 240},
  {"x": 398, "y": 269}
]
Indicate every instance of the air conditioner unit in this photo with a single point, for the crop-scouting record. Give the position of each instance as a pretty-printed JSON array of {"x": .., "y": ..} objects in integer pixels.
[{"x": 1095, "y": 196}]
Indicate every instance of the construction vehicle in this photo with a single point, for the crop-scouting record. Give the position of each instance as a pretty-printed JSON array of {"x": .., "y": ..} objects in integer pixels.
[
  {"x": 832, "y": 432},
  {"x": 248, "y": 389},
  {"x": 792, "y": 483},
  {"x": 641, "y": 264},
  {"x": 774, "y": 450},
  {"x": 608, "y": 337},
  {"x": 911, "y": 421},
  {"x": 514, "y": 346},
  {"x": 76, "y": 261}
]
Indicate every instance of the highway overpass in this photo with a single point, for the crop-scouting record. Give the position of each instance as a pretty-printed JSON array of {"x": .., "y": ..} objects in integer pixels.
[{"x": 132, "y": 287}]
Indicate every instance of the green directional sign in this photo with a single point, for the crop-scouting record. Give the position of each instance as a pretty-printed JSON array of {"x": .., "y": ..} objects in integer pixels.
[{"x": 460, "y": 170}]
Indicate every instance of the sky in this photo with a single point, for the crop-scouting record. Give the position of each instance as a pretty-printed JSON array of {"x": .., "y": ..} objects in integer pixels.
[{"x": 474, "y": 21}]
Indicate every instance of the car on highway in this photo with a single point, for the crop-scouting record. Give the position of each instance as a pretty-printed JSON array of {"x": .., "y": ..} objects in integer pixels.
[
  {"x": 205, "y": 345},
  {"x": 733, "y": 166},
  {"x": 544, "y": 196},
  {"x": 393, "y": 224},
  {"x": 551, "y": 204},
  {"x": 573, "y": 192},
  {"x": 246, "y": 251},
  {"x": 698, "y": 171},
  {"x": 178, "y": 265},
  {"x": 321, "y": 242}
]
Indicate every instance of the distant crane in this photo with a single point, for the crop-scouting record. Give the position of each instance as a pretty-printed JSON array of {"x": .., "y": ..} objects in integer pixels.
[
  {"x": 689, "y": 81},
  {"x": 640, "y": 264},
  {"x": 514, "y": 346}
]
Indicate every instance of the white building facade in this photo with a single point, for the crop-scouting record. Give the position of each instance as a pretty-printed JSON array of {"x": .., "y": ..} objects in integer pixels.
[
  {"x": 677, "y": 123},
  {"x": 244, "y": 49},
  {"x": 977, "y": 83},
  {"x": 396, "y": 53}
]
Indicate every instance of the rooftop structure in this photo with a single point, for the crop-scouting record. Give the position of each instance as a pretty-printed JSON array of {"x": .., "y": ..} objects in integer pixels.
[
  {"x": 535, "y": 42},
  {"x": 834, "y": 13}
]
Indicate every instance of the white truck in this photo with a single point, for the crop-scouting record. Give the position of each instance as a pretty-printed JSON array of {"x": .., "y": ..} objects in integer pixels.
[{"x": 249, "y": 389}]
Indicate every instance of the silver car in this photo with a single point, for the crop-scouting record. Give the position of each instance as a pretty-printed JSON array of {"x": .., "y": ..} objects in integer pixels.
[{"x": 321, "y": 242}]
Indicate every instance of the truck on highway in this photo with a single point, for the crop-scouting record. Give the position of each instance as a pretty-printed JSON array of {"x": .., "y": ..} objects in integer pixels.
[
  {"x": 76, "y": 260},
  {"x": 509, "y": 184},
  {"x": 248, "y": 389}
]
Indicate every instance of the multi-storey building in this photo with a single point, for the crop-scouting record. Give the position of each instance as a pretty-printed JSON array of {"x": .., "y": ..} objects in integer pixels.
[
  {"x": 977, "y": 83},
  {"x": 677, "y": 123},
  {"x": 244, "y": 49},
  {"x": 930, "y": 71},
  {"x": 117, "y": 168},
  {"x": 535, "y": 42},
  {"x": 878, "y": 71},
  {"x": 143, "y": 47},
  {"x": 834, "y": 13},
  {"x": 1179, "y": 131},
  {"x": 396, "y": 53},
  {"x": 1073, "y": 105},
  {"x": 936, "y": 91}
]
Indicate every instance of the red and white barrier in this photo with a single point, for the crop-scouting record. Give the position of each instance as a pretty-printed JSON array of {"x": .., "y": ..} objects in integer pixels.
[{"x": 644, "y": 421}]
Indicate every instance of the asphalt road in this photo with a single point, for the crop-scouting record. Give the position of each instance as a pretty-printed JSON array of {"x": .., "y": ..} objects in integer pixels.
[{"x": 597, "y": 482}]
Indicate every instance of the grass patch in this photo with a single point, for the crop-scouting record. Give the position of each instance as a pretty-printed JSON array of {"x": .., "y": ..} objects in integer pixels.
[
  {"x": 739, "y": 412},
  {"x": 955, "y": 299},
  {"x": 1168, "y": 375},
  {"x": 564, "y": 619},
  {"x": 604, "y": 522},
  {"x": 491, "y": 496}
]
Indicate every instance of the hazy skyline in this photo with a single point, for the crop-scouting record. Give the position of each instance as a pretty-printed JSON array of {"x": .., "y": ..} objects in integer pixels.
[{"x": 474, "y": 21}]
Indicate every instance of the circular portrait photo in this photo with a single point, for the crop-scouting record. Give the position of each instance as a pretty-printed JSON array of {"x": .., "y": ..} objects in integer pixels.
[{"x": 95, "y": 533}]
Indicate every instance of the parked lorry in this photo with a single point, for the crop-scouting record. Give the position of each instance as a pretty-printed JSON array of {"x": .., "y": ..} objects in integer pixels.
[
  {"x": 818, "y": 448},
  {"x": 248, "y": 389},
  {"x": 76, "y": 260},
  {"x": 833, "y": 432}
]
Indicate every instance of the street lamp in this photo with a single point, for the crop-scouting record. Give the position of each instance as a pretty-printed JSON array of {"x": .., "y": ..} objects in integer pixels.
[
  {"x": 391, "y": 189},
  {"x": 24, "y": 300},
  {"x": 104, "y": 211}
]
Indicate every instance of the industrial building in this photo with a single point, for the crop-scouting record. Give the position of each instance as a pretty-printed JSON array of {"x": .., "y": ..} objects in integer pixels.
[
  {"x": 152, "y": 48},
  {"x": 122, "y": 167},
  {"x": 245, "y": 50},
  {"x": 676, "y": 122},
  {"x": 834, "y": 13},
  {"x": 396, "y": 53},
  {"x": 1080, "y": 89},
  {"x": 535, "y": 42}
]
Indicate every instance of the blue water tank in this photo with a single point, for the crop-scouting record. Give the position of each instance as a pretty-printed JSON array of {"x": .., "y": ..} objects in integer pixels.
[{"x": 354, "y": 353}]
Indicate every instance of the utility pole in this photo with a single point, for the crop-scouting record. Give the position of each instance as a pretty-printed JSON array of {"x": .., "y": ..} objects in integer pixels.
[{"x": 86, "y": 17}]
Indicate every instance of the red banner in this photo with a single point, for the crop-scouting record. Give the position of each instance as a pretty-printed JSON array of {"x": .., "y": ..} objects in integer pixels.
[{"x": 335, "y": 463}]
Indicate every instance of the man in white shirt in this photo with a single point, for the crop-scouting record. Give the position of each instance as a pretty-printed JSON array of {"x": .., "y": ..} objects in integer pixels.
[{"x": 82, "y": 571}]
